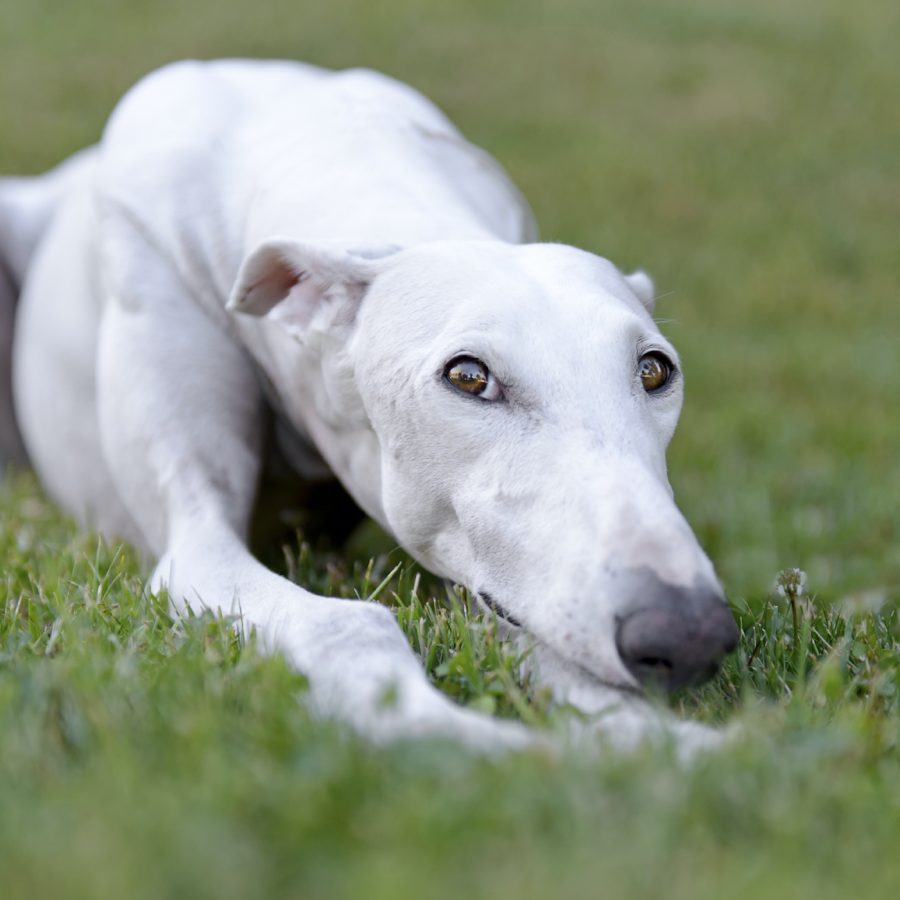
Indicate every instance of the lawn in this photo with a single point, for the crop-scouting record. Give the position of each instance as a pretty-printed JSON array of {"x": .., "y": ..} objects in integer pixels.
[{"x": 747, "y": 156}]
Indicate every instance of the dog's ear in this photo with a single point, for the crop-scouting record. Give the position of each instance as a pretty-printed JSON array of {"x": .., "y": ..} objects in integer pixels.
[
  {"x": 642, "y": 285},
  {"x": 292, "y": 281}
]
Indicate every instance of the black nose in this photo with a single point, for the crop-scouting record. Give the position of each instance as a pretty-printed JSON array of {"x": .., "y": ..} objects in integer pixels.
[{"x": 675, "y": 636}]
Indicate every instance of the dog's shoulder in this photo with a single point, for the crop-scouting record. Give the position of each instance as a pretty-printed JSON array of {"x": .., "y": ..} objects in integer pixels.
[
  {"x": 172, "y": 129},
  {"x": 168, "y": 179},
  {"x": 186, "y": 149}
]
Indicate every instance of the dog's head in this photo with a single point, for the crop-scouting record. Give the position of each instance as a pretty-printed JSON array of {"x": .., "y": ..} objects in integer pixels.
[{"x": 504, "y": 411}]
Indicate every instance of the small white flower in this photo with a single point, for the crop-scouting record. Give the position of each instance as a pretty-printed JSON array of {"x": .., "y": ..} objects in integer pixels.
[{"x": 790, "y": 583}]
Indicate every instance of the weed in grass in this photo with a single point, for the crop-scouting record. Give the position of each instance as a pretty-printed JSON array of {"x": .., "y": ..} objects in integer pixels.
[{"x": 802, "y": 652}]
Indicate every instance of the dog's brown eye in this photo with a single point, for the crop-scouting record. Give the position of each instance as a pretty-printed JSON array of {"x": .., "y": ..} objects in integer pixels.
[
  {"x": 472, "y": 376},
  {"x": 467, "y": 374},
  {"x": 655, "y": 371}
]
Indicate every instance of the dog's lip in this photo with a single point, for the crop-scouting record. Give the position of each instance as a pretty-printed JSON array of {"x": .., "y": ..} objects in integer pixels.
[
  {"x": 500, "y": 612},
  {"x": 497, "y": 609},
  {"x": 622, "y": 687}
]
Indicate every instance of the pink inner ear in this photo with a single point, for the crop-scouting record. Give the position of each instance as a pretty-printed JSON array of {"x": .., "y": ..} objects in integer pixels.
[{"x": 272, "y": 287}]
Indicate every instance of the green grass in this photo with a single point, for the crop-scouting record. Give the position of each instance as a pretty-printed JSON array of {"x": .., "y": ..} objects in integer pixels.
[{"x": 747, "y": 156}]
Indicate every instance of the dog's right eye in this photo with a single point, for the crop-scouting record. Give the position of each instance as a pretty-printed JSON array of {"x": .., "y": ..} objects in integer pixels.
[{"x": 471, "y": 376}]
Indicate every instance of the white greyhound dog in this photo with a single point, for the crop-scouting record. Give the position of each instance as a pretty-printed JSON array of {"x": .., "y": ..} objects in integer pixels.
[{"x": 257, "y": 242}]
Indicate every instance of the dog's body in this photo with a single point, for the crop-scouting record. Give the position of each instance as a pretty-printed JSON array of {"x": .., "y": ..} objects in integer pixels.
[{"x": 258, "y": 238}]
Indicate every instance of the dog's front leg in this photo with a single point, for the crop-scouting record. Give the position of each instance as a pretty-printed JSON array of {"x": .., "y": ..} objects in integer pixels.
[
  {"x": 181, "y": 417},
  {"x": 358, "y": 662}
]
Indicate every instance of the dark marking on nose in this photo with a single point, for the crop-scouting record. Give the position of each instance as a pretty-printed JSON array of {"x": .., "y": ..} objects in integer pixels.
[{"x": 675, "y": 636}]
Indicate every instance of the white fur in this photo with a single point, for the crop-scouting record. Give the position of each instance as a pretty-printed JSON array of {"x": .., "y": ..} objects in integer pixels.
[{"x": 253, "y": 234}]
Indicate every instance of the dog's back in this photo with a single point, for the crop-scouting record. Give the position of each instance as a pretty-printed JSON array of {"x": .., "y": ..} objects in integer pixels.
[{"x": 27, "y": 206}]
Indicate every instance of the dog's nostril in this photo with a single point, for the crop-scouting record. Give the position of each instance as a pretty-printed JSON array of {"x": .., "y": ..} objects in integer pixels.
[{"x": 655, "y": 662}]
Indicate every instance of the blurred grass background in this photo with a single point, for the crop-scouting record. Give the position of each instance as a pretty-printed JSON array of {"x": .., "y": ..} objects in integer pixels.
[{"x": 749, "y": 157}]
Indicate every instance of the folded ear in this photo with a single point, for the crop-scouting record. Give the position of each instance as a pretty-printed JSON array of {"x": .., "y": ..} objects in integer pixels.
[
  {"x": 292, "y": 281},
  {"x": 642, "y": 285}
]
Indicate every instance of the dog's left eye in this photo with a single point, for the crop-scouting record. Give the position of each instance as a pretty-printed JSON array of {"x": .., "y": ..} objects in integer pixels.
[
  {"x": 471, "y": 376},
  {"x": 655, "y": 371}
]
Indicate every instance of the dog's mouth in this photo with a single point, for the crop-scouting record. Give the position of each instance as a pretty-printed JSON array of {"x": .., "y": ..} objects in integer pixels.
[
  {"x": 493, "y": 606},
  {"x": 625, "y": 688},
  {"x": 621, "y": 687}
]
